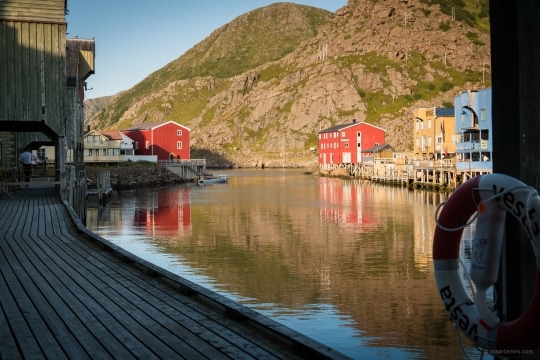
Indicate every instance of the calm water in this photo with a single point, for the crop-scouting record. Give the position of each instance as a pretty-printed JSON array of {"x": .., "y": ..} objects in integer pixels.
[{"x": 345, "y": 262}]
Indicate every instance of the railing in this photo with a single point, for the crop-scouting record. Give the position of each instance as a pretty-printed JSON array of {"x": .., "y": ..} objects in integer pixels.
[
  {"x": 474, "y": 165},
  {"x": 185, "y": 168},
  {"x": 74, "y": 191},
  {"x": 441, "y": 163},
  {"x": 468, "y": 145},
  {"x": 184, "y": 162},
  {"x": 101, "y": 188},
  {"x": 98, "y": 158}
]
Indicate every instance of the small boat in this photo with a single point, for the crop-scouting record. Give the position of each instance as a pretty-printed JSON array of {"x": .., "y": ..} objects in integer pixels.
[{"x": 209, "y": 179}]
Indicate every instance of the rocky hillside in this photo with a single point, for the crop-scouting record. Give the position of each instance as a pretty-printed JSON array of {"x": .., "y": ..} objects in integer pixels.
[{"x": 253, "y": 93}]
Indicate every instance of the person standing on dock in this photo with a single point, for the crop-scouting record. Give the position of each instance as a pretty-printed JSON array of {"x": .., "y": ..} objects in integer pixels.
[{"x": 26, "y": 160}]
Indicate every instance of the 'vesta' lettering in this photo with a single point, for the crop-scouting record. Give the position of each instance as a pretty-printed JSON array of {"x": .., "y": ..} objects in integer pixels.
[
  {"x": 457, "y": 314},
  {"x": 464, "y": 322},
  {"x": 534, "y": 225},
  {"x": 518, "y": 209},
  {"x": 446, "y": 294},
  {"x": 496, "y": 192},
  {"x": 473, "y": 332},
  {"x": 508, "y": 199}
]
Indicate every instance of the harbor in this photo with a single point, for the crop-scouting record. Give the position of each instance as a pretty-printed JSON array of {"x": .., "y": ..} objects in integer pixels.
[
  {"x": 68, "y": 293},
  {"x": 434, "y": 175},
  {"x": 347, "y": 262}
]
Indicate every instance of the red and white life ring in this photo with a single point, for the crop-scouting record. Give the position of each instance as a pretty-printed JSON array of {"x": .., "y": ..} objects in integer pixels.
[{"x": 491, "y": 197}]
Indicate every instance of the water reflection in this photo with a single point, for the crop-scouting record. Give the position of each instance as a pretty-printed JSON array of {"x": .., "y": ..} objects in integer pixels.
[{"x": 346, "y": 262}]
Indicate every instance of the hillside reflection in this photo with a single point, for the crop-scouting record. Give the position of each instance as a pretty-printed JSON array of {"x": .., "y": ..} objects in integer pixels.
[{"x": 296, "y": 246}]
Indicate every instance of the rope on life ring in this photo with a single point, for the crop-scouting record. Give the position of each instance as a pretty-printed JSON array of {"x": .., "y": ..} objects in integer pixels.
[{"x": 490, "y": 197}]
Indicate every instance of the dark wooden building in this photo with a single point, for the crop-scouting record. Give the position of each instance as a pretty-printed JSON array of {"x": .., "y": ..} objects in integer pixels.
[{"x": 42, "y": 79}]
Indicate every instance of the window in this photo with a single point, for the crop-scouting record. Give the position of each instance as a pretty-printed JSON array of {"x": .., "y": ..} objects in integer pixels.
[
  {"x": 343, "y": 134},
  {"x": 136, "y": 147},
  {"x": 482, "y": 114},
  {"x": 147, "y": 144},
  {"x": 178, "y": 132},
  {"x": 179, "y": 145}
]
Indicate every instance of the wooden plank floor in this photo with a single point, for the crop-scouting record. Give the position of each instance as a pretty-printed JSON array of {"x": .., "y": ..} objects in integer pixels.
[{"x": 67, "y": 293}]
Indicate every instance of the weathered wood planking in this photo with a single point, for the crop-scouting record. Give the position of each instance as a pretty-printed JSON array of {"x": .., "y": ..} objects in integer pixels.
[
  {"x": 33, "y": 69},
  {"x": 67, "y": 293}
]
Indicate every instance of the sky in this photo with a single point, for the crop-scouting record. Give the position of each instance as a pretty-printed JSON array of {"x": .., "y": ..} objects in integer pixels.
[{"x": 134, "y": 38}]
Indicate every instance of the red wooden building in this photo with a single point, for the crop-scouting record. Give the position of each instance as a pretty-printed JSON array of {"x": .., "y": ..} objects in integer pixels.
[
  {"x": 343, "y": 144},
  {"x": 168, "y": 140}
]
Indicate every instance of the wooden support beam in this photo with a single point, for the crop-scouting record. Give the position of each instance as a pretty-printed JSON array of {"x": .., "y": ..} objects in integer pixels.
[{"x": 515, "y": 30}]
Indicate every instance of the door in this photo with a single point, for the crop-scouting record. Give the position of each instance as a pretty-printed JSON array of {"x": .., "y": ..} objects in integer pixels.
[{"x": 358, "y": 147}]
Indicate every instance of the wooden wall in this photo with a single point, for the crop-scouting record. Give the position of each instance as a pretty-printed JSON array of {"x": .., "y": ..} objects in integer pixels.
[
  {"x": 42, "y": 11},
  {"x": 32, "y": 71}
]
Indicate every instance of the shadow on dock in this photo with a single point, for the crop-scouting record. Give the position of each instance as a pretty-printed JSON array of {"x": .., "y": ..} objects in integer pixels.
[{"x": 67, "y": 293}]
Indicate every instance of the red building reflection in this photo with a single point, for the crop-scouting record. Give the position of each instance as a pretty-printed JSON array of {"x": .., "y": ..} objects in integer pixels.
[
  {"x": 166, "y": 213},
  {"x": 344, "y": 203}
]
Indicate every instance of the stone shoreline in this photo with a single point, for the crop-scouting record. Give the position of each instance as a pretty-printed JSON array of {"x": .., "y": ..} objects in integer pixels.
[
  {"x": 143, "y": 174},
  {"x": 135, "y": 175}
]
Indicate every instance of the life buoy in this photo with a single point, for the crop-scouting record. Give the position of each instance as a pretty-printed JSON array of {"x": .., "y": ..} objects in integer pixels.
[{"x": 490, "y": 197}]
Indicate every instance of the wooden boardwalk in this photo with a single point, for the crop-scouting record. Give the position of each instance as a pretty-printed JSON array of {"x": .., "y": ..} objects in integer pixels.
[{"x": 67, "y": 293}]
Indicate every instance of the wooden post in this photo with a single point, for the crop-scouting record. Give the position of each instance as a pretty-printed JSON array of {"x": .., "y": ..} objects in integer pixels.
[{"x": 515, "y": 59}]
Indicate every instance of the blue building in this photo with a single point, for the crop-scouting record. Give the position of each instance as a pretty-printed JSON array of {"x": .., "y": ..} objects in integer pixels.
[{"x": 474, "y": 133}]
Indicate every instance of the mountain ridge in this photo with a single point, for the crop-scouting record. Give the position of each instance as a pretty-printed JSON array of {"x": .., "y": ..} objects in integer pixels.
[{"x": 371, "y": 61}]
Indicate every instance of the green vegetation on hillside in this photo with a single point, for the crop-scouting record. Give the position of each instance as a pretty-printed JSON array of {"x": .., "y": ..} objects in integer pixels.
[
  {"x": 205, "y": 84},
  {"x": 383, "y": 102},
  {"x": 237, "y": 47},
  {"x": 474, "y": 13}
]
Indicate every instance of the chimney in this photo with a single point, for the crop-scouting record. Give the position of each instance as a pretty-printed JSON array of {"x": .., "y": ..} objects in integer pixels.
[{"x": 354, "y": 121}]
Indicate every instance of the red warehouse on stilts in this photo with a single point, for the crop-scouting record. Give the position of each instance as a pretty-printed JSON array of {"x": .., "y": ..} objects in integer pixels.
[
  {"x": 167, "y": 140},
  {"x": 343, "y": 144}
]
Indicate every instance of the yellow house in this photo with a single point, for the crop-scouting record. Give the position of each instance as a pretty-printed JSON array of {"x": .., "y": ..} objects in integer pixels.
[{"x": 434, "y": 134}]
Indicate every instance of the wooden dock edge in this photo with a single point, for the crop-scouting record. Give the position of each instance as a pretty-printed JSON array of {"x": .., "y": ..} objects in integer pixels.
[{"x": 296, "y": 342}]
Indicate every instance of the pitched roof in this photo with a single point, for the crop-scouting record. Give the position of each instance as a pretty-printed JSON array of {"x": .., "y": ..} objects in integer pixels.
[
  {"x": 381, "y": 148},
  {"x": 111, "y": 134},
  {"x": 152, "y": 125},
  {"x": 344, "y": 126}
]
